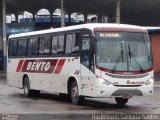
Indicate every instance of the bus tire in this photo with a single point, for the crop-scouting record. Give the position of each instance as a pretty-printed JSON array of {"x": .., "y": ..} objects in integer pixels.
[
  {"x": 121, "y": 101},
  {"x": 75, "y": 98},
  {"x": 26, "y": 88}
]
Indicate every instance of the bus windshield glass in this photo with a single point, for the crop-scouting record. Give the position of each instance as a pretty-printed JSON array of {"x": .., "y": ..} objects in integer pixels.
[{"x": 123, "y": 51}]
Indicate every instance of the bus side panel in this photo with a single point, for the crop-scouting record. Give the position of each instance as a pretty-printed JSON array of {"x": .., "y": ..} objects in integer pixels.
[
  {"x": 36, "y": 81},
  {"x": 12, "y": 72},
  {"x": 58, "y": 79},
  {"x": 41, "y": 80},
  {"x": 53, "y": 83},
  {"x": 85, "y": 81},
  {"x": 70, "y": 68}
]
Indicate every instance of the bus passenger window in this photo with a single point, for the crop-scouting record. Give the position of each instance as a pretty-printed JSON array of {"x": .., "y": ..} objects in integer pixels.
[
  {"x": 33, "y": 46},
  {"x": 44, "y": 47},
  {"x": 60, "y": 44},
  {"x": 12, "y": 48},
  {"x": 54, "y": 45},
  {"x": 75, "y": 43},
  {"x": 69, "y": 44},
  {"x": 85, "y": 55},
  {"x": 72, "y": 44},
  {"x": 22, "y": 47}
]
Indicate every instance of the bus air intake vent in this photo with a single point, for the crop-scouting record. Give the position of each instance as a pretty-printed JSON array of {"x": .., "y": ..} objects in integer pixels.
[
  {"x": 127, "y": 85},
  {"x": 127, "y": 76},
  {"x": 122, "y": 92}
]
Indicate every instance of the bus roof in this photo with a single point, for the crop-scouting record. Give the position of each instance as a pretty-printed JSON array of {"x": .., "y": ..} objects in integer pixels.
[{"x": 91, "y": 26}]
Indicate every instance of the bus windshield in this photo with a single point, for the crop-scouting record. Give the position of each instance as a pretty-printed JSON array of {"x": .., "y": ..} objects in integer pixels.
[{"x": 123, "y": 51}]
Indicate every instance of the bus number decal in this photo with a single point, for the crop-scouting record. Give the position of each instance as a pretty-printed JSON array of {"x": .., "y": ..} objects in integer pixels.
[{"x": 76, "y": 72}]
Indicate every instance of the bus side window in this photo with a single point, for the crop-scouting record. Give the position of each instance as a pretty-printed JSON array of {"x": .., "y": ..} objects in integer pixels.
[
  {"x": 85, "y": 53},
  {"x": 54, "y": 45},
  {"x": 72, "y": 44},
  {"x": 22, "y": 47},
  {"x": 69, "y": 39},
  {"x": 60, "y": 44},
  {"x": 75, "y": 43},
  {"x": 12, "y": 48},
  {"x": 44, "y": 45},
  {"x": 33, "y": 46}
]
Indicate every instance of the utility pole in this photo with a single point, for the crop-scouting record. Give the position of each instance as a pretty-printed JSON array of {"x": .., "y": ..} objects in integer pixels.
[
  {"x": 4, "y": 36},
  {"x": 118, "y": 12},
  {"x": 62, "y": 13}
]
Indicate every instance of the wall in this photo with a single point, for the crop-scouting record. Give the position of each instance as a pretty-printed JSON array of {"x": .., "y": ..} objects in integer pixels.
[{"x": 155, "y": 42}]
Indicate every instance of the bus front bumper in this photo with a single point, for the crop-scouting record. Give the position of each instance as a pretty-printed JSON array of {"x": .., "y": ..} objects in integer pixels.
[{"x": 114, "y": 91}]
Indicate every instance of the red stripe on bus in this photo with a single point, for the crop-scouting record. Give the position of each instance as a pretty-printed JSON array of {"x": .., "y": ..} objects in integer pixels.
[
  {"x": 19, "y": 65},
  {"x": 59, "y": 66}
]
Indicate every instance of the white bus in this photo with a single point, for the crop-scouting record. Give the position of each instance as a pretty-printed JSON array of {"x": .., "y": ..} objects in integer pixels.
[{"x": 89, "y": 60}]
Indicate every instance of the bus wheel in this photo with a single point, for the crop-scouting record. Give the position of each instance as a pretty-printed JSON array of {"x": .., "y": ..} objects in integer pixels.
[
  {"x": 75, "y": 98},
  {"x": 26, "y": 88},
  {"x": 121, "y": 101}
]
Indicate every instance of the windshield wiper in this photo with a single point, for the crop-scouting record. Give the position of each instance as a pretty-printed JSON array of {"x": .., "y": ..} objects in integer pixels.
[
  {"x": 130, "y": 53},
  {"x": 118, "y": 59}
]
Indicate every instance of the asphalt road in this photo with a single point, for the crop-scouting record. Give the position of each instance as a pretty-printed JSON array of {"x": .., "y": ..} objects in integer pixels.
[{"x": 51, "y": 106}]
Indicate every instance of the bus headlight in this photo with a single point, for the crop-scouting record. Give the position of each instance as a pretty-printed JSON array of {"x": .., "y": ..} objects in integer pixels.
[
  {"x": 103, "y": 81},
  {"x": 150, "y": 81}
]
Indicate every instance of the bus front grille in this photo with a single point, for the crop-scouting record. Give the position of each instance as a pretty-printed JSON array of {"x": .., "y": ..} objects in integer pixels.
[
  {"x": 127, "y": 76},
  {"x": 127, "y": 85},
  {"x": 126, "y": 92}
]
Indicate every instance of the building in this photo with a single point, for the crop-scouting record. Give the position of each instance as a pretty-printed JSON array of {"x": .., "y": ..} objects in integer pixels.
[
  {"x": 155, "y": 44},
  {"x": 136, "y": 12}
]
